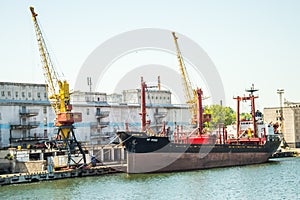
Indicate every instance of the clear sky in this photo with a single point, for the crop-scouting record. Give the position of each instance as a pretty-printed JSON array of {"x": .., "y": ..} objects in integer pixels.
[{"x": 250, "y": 41}]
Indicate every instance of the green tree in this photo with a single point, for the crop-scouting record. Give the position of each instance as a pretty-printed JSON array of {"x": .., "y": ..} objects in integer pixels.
[
  {"x": 245, "y": 116},
  {"x": 220, "y": 114}
]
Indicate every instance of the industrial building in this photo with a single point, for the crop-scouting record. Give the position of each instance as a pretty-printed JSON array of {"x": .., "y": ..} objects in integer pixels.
[
  {"x": 26, "y": 116},
  {"x": 152, "y": 97},
  {"x": 290, "y": 125}
]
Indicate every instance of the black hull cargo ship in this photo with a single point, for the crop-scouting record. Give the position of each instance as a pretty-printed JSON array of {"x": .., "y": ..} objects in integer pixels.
[
  {"x": 157, "y": 154},
  {"x": 153, "y": 153}
]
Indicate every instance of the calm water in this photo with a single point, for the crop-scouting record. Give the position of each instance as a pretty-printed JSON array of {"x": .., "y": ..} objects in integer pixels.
[{"x": 278, "y": 179}]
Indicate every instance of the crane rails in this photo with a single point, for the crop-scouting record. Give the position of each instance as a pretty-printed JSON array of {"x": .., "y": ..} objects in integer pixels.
[
  {"x": 190, "y": 93},
  {"x": 59, "y": 97}
]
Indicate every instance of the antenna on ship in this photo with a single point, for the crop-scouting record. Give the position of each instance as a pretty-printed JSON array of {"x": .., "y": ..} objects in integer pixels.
[{"x": 251, "y": 90}]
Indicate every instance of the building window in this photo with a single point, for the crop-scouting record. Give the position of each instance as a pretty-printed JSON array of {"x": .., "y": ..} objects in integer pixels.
[
  {"x": 23, "y": 94},
  {"x": 87, "y": 111},
  {"x": 17, "y": 94},
  {"x": 45, "y": 121},
  {"x": 2, "y": 93},
  {"x": 45, "y": 110},
  {"x": 29, "y": 94},
  {"x": 8, "y": 93},
  {"x": 23, "y": 122},
  {"x": 98, "y": 111},
  {"x": 39, "y": 95},
  {"x": 0, "y": 116},
  {"x": 45, "y": 95}
]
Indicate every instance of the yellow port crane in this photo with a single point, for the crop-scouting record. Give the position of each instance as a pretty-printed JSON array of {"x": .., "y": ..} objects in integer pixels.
[
  {"x": 190, "y": 92},
  {"x": 59, "y": 97}
]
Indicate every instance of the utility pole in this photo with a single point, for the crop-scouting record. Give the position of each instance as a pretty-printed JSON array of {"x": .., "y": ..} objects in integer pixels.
[{"x": 281, "y": 92}]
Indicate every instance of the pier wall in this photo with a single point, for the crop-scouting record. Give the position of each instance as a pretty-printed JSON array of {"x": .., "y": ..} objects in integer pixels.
[
  {"x": 30, "y": 166},
  {"x": 108, "y": 153}
]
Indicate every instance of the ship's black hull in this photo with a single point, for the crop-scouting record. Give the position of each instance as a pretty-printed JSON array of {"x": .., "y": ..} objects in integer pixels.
[{"x": 157, "y": 154}]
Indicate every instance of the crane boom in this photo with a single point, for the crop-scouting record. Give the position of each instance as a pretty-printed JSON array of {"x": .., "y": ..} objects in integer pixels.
[
  {"x": 58, "y": 91},
  {"x": 190, "y": 93},
  {"x": 49, "y": 71}
]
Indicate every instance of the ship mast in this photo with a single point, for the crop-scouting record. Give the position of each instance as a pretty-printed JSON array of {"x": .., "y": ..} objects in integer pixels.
[
  {"x": 251, "y": 98},
  {"x": 143, "y": 105},
  {"x": 200, "y": 112}
]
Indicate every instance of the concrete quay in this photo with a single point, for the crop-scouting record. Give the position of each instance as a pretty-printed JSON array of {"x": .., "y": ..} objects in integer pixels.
[
  {"x": 8, "y": 179},
  {"x": 33, "y": 165}
]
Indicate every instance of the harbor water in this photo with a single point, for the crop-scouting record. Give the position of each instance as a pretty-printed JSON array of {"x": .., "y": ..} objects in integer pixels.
[{"x": 277, "y": 179}]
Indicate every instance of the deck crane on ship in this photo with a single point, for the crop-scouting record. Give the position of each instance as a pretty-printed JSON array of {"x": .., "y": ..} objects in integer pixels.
[{"x": 59, "y": 97}]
